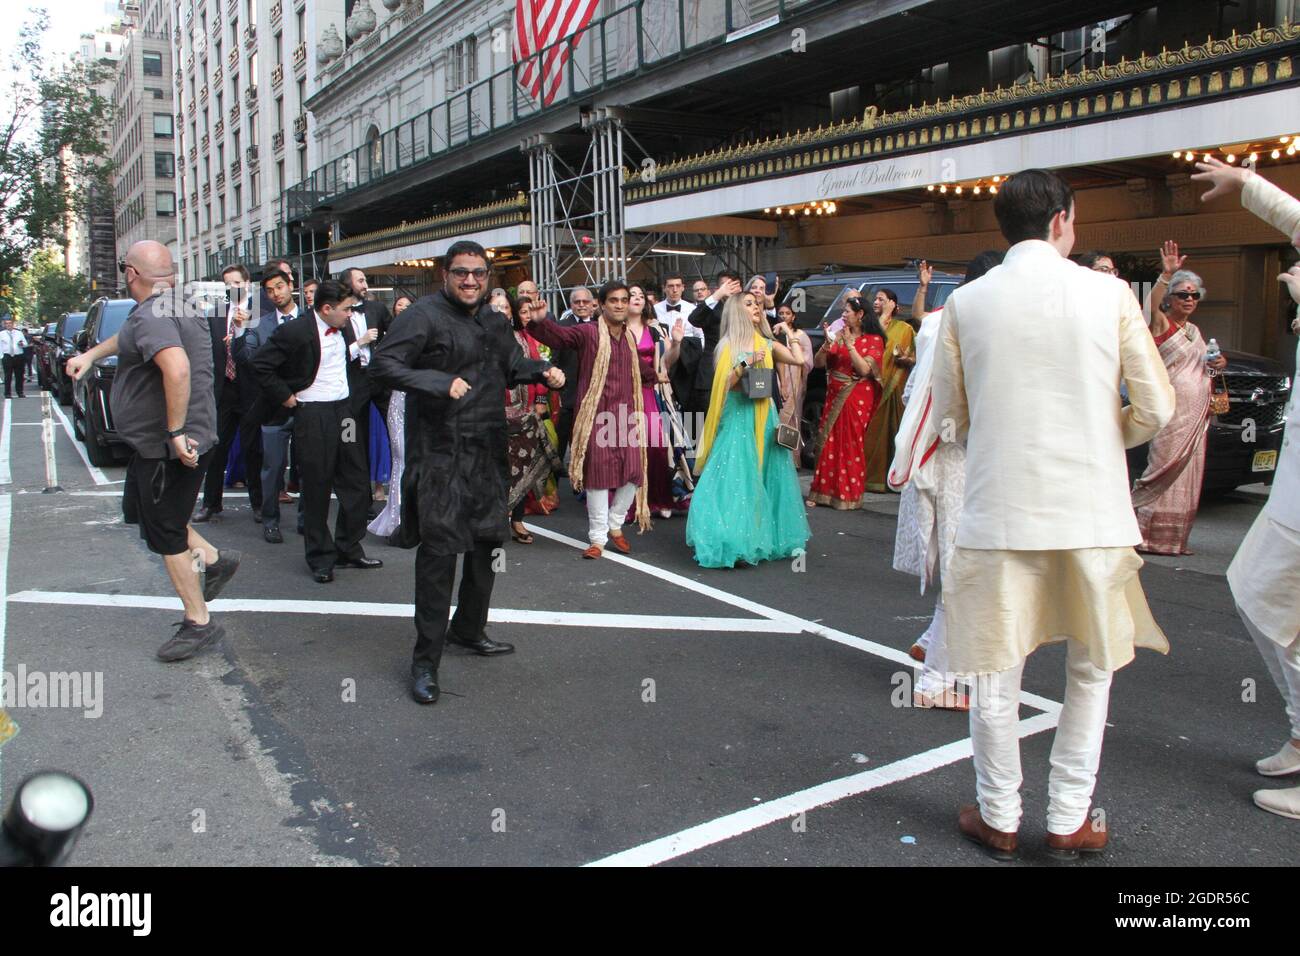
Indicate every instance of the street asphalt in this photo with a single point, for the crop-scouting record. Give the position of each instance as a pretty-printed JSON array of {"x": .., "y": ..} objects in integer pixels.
[{"x": 655, "y": 712}]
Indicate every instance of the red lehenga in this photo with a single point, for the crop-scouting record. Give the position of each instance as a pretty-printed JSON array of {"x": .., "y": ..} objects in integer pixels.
[{"x": 841, "y": 474}]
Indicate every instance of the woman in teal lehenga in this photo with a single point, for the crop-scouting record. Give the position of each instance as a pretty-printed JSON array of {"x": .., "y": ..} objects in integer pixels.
[{"x": 747, "y": 505}]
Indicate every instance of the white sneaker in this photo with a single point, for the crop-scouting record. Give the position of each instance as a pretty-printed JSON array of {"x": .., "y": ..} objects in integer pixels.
[
  {"x": 1285, "y": 803},
  {"x": 1285, "y": 761}
]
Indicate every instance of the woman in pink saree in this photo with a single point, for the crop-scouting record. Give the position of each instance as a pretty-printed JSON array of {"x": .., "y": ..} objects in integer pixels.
[{"x": 1168, "y": 493}]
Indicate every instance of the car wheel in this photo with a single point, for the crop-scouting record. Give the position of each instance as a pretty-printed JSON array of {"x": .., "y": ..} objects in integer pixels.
[{"x": 99, "y": 454}]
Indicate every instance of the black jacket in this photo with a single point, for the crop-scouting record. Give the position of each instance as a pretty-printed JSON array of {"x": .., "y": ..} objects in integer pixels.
[
  {"x": 456, "y": 475},
  {"x": 245, "y": 347},
  {"x": 566, "y": 360},
  {"x": 360, "y": 385},
  {"x": 286, "y": 363}
]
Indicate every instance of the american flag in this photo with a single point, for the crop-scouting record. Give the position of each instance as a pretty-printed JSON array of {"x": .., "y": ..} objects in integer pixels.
[{"x": 538, "y": 25}]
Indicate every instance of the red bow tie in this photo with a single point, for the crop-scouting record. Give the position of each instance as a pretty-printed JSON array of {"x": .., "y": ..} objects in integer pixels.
[{"x": 331, "y": 331}]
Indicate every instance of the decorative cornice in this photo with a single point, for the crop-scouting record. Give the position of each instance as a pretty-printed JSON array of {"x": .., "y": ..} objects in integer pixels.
[
  {"x": 1172, "y": 76},
  {"x": 505, "y": 212}
]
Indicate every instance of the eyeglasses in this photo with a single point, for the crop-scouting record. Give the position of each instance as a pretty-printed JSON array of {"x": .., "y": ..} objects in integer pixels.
[
  {"x": 462, "y": 274},
  {"x": 1194, "y": 296}
]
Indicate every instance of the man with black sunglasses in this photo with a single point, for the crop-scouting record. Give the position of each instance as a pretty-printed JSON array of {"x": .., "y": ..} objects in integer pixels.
[
  {"x": 454, "y": 358},
  {"x": 164, "y": 408}
]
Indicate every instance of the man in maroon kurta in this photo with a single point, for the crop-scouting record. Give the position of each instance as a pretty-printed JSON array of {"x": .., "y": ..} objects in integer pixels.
[{"x": 613, "y": 453}]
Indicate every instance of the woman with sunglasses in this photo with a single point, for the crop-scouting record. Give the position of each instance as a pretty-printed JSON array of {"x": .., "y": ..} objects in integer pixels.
[
  {"x": 1168, "y": 493},
  {"x": 852, "y": 360}
]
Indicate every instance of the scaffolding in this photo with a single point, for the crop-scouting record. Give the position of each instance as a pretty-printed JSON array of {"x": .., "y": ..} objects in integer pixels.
[{"x": 577, "y": 222}]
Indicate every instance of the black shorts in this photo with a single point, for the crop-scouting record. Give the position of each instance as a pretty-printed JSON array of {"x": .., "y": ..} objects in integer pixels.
[{"x": 159, "y": 496}]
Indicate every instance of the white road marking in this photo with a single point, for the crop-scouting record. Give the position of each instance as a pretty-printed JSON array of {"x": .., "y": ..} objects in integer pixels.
[
  {"x": 99, "y": 477},
  {"x": 783, "y": 808},
  {"x": 657, "y": 622},
  {"x": 840, "y": 637},
  {"x": 6, "y": 477}
]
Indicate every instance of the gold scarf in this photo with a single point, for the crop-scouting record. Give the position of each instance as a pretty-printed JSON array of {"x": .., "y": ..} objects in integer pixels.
[
  {"x": 718, "y": 399},
  {"x": 587, "y": 416}
]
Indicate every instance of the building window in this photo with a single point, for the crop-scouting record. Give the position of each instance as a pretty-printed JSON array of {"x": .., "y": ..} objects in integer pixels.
[
  {"x": 464, "y": 63},
  {"x": 162, "y": 125},
  {"x": 164, "y": 165},
  {"x": 157, "y": 93},
  {"x": 166, "y": 203},
  {"x": 153, "y": 64}
]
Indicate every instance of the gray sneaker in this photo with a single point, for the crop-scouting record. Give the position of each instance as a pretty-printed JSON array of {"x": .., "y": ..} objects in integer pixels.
[
  {"x": 189, "y": 639},
  {"x": 217, "y": 575}
]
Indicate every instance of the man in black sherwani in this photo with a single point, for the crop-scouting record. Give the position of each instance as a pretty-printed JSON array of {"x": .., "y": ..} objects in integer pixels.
[{"x": 454, "y": 356}]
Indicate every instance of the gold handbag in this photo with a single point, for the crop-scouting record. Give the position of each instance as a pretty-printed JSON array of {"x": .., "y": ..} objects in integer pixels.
[{"x": 1220, "y": 400}]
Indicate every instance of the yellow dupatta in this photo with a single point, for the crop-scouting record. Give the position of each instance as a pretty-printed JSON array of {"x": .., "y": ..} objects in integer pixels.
[{"x": 718, "y": 399}]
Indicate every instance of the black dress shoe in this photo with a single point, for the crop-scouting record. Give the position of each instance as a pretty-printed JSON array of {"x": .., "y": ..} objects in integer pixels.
[
  {"x": 483, "y": 645},
  {"x": 424, "y": 685},
  {"x": 257, "y": 517},
  {"x": 323, "y": 575},
  {"x": 205, "y": 515},
  {"x": 271, "y": 532},
  {"x": 361, "y": 562}
]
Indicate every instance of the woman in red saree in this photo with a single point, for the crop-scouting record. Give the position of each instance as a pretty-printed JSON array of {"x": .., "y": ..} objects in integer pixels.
[
  {"x": 1168, "y": 493},
  {"x": 852, "y": 362}
]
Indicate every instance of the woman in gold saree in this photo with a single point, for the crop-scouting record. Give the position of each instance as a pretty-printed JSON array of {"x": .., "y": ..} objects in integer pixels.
[{"x": 900, "y": 356}]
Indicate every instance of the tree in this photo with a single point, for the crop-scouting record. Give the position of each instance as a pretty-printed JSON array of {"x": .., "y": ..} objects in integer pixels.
[
  {"x": 44, "y": 291},
  {"x": 53, "y": 156}
]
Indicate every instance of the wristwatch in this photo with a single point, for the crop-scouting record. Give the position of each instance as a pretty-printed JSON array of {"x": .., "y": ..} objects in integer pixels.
[{"x": 178, "y": 433}]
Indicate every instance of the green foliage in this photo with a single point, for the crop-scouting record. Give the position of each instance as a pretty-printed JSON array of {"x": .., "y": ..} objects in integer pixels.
[{"x": 52, "y": 151}]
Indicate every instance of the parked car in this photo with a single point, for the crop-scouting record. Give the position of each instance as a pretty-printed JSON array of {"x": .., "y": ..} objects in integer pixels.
[
  {"x": 44, "y": 342},
  {"x": 822, "y": 299},
  {"x": 64, "y": 347},
  {"x": 92, "y": 418},
  {"x": 1241, "y": 446}
]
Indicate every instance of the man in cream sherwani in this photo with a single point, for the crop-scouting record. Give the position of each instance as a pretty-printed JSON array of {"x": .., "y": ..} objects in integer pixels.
[
  {"x": 1265, "y": 574},
  {"x": 1028, "y": 370}
]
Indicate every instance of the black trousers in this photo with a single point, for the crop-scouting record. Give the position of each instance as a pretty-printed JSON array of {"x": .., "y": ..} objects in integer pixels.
[
  {"x": 331, "y": 464},
  {"x": 564, "y": 428},
  {"x": 434, "y": 576},
  {"x": 231, "y": 420},
  {"x": 13, "y": 366}
]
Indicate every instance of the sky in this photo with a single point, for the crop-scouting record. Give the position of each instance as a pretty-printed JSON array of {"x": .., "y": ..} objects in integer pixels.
[{"x": 68, "y": 20}]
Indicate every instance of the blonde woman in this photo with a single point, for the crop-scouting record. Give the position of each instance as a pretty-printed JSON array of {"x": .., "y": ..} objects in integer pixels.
[{"x": 746, "y": 506}]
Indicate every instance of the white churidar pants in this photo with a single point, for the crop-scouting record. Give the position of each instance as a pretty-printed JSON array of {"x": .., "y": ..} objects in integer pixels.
[
  {"x": 603, "y": 517},
  {"x": 1076, "y": 750}
]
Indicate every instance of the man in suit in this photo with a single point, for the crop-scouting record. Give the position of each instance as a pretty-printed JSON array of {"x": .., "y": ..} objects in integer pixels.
[
  {"x": 13, "y": 345},
  {"x": 1028, "y": 368},
  {"x": 674, "y": 309},
  {"x": 231, "y": 405},
  {"x": 303, "y": 370},
  {"x": 274, "y": 435},
  {"x": 370, "y": 321}
]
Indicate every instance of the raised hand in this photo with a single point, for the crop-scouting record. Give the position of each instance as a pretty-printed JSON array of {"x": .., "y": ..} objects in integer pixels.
[
  {"x": 678, "y": 331},
  {"x": 1170, "y": 260},
  {"x": 1223, "y": 179},
  {"x": 924, "y": 271}
]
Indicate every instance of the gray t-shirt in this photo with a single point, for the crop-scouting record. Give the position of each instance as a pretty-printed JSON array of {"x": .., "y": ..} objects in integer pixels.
[{"x": 138, "y": 400}]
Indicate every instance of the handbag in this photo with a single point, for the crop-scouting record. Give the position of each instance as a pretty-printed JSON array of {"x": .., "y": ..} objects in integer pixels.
[
  {"x": 1220, "y": 401},
  {"x": 758, "y": 382},
  {"x": 787, "y": 436}
]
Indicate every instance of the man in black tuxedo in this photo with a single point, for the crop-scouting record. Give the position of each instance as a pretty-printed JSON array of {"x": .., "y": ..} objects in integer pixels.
[
  {"x": 370, "y": 321},
  {"x": 232, "y": 405},
  {"x": 303, "y": 371},
  {"x": 707, "y": 317},
  {"x": 273, "y": 437}
]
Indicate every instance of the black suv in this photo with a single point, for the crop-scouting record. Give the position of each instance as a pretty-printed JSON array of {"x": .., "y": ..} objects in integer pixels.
[
  {"x": 62, "y": 348},
  {"x": 822, "y": 299},
  {"x": 92, "y": 419},
  {"x": 1242, "y": 446}
]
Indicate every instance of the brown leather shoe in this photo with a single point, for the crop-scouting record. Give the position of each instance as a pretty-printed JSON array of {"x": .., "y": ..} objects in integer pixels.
[
  {"x": 593, "y": 552},
  {"x": 1089, "y": 838},
  {"x": 996, "y": 843},
  {"x": 620, "y": 542}
]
